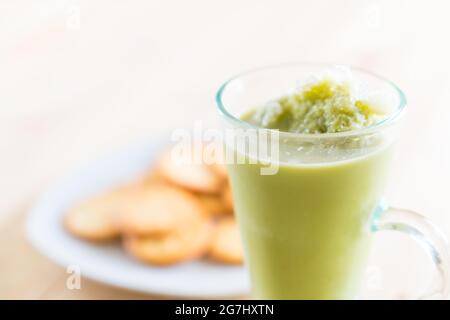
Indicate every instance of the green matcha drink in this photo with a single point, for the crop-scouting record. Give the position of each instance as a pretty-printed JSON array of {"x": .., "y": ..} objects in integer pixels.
[{"x": 306, "y": 229}]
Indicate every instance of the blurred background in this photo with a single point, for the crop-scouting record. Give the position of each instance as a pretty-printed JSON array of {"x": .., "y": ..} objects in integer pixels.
[{"x": 80, "y": 79}]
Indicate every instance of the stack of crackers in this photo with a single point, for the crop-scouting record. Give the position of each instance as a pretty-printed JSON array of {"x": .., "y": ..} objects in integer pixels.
[{"x": 178, "y": 212}]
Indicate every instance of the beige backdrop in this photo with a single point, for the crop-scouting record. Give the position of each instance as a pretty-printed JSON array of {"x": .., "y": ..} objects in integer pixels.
[{"x": 81, "y": 78}]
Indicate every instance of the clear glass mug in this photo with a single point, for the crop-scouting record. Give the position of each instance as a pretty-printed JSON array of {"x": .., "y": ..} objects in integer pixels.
[{"x": 308, "y": 205}]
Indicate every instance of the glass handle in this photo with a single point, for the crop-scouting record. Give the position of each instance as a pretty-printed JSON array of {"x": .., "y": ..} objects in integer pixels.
[{"x": 427, "y": 235}]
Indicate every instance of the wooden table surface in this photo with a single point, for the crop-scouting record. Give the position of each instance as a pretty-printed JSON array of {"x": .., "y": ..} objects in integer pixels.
[
  {"x": 81, "y": 79},
  {"x": 33, "y": 276}
]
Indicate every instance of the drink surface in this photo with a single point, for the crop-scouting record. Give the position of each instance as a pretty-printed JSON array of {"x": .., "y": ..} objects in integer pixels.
[{"x": 325, "y": 106}]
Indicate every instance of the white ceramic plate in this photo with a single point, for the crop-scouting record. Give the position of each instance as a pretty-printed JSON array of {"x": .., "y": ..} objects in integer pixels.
[{"x": 108, "y": 263}]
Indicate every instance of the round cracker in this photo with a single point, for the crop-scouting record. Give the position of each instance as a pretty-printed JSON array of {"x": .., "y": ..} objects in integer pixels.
[
  {"x": 226, "y": 244},
  {"x": 220, "y": 169},
  {"x": 159, "y": 209},
  {"x": 227, "y": 198},
  {"x": 213, "y": 204},
  {"x": 94, "y": 219},
  {"x": 152, "y": 177},
  {"x": 186, "y": 243},
  {"x": 197, "y": 177}
]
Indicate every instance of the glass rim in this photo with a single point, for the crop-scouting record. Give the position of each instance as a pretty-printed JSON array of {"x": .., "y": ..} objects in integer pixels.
[{"x": 386, "y": 122}]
